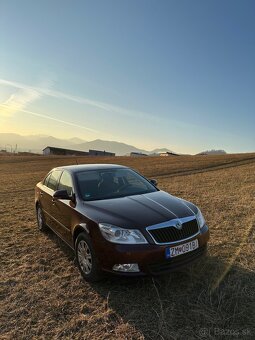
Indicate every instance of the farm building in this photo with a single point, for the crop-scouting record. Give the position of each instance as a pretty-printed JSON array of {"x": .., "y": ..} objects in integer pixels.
[
  {"x": 167, "y": 154},
  {"x": 137, "y": 154},
  {"x": 51, "y": 150},
  {"x": 100, "y": 153}
]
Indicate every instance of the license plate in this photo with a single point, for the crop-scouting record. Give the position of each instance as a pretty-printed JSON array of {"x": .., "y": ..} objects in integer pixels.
[{"x": 181, "y": 249}]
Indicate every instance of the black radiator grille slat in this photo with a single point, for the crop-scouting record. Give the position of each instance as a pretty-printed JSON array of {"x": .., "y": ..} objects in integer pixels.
[{"x": 171, "y": 234}]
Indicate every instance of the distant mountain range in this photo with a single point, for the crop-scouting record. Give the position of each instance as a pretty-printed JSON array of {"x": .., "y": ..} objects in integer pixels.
[{"x": 36, "y": 143}]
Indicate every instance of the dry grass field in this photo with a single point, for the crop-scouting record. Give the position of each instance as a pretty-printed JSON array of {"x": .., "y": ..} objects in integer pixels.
[{"x": 44, "y": 297}]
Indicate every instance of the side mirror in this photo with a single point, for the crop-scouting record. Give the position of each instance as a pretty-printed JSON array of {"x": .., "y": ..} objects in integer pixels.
[
  {"x": 154, "y": 182},
  {"x": 62, "y": 195}
]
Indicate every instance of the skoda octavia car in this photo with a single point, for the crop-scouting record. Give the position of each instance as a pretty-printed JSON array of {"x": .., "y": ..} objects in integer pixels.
[{"x": 118, "y": 221}]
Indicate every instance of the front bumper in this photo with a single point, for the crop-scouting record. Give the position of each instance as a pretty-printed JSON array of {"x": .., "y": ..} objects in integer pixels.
[{"x": 150, "y": 257}]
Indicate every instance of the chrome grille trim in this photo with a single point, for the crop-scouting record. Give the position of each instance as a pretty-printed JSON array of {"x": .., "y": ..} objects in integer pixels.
[{"x": 172, "y": 223}]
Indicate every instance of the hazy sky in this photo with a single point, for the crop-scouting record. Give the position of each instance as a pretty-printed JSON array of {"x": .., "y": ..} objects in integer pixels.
[{"x": 177, "y": 74}]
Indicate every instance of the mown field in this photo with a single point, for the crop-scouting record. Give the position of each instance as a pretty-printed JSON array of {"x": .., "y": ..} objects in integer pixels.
[{"x": 44, "y": 297}]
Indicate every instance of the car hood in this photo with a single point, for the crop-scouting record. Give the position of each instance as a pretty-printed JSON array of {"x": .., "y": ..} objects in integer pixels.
[{"x": 138, "y": 211}]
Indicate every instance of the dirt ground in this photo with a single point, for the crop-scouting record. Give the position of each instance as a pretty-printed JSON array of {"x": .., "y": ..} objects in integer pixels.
[{"x": 44, "y": 297}]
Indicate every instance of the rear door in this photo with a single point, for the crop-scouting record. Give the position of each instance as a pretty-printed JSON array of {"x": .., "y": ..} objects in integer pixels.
[
  {"x": 63, "y": 209},
  {"x": 46, "y": 196}
]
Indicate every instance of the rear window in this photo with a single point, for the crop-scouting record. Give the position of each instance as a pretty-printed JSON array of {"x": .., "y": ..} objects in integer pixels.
[{"x": 52, "y": 180}]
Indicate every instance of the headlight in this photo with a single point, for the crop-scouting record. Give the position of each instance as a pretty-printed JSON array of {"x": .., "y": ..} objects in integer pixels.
[
  {"x": 200, "y": 219},
  {"x": 120, "y": 235}
]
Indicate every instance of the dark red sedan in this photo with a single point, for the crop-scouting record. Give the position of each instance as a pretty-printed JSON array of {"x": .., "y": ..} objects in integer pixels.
[{"x": 118, "y": 221}]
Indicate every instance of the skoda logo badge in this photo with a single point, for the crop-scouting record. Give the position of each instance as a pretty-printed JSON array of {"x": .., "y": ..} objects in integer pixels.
[{"x": 178, "y": 225}]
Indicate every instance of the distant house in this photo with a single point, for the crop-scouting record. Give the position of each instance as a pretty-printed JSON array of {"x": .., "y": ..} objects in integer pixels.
[
  {"x": 167, "y": 154},
  {"x": 137, "y": 154},
  {"x": 52, "y": 150},
  {"x": 100, "y": 153}
]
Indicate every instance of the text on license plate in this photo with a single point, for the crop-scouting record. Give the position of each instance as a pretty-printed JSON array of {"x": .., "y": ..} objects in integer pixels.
[{"x": 181, "y": 249}]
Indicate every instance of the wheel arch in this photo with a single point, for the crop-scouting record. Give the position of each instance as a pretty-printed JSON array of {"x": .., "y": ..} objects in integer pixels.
[{"x": 82, "y": 227}]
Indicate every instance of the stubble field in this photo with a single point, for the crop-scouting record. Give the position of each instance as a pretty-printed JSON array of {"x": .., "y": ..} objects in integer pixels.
[{"x": 44, "y": 297}]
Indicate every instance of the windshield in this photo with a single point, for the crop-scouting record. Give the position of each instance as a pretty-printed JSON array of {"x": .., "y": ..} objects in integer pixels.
[{"x": 111, "y": 183}]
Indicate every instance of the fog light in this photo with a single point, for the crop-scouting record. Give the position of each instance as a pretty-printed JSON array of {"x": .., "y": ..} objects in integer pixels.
[{"x": 126, "y": 267}]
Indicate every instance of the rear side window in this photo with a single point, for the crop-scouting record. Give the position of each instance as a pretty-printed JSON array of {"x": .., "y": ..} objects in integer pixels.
[
  {"x": 66, "y": 183},
  {"x": 46, "y": 180},
  {"x": 53, "y": 180}
]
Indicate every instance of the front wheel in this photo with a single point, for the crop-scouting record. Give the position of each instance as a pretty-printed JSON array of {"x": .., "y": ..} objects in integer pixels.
[{"x": 86, "y": 258}]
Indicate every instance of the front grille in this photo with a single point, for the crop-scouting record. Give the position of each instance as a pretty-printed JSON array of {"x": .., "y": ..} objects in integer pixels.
[
  {"x": 176, "y": 262},
  {"x": 171, "y": 234}
]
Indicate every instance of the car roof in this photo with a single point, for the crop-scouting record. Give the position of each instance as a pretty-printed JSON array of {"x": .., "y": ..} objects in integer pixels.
[{"x": 83, "y": 167}]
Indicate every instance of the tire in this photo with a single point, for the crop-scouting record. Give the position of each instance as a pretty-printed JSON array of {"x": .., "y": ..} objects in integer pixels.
[
  {"x": 40, "y": 219},
  {"x": 86, "y": 258}
]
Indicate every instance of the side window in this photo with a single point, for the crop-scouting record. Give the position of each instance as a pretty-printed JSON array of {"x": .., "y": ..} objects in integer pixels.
[
  {"x": 65, "y": 183},
  {"x": 45, "y": 182},
  {"x": 53, "y": 180}
]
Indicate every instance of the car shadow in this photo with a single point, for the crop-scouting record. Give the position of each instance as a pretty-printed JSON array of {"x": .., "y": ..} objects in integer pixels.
[
  {"x": 60, "y": 243},
  {"x": 205, "y": 299},
  {"x": 208, "y": 299}
]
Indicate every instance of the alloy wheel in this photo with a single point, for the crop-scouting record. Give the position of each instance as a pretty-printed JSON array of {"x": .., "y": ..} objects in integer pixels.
[{"x": 84, "y": 257}]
